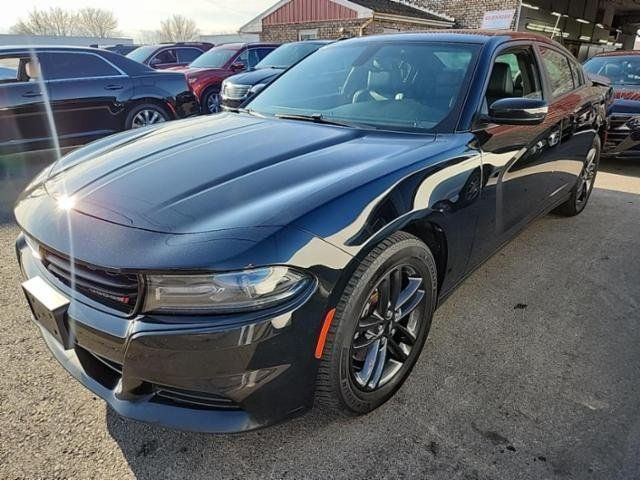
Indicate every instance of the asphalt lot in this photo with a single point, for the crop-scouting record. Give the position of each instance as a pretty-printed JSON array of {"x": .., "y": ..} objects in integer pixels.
[{"x": 531, "y": 371}]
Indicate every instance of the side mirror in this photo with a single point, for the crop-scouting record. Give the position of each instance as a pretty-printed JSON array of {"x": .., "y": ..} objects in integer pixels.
[
  {"x": 237, "y": 66},
  {"x": 518, "y": 111},
  {"x": 154, "y": 62}
]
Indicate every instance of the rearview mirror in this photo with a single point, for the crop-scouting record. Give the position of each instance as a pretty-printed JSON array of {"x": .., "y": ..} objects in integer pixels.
[{"x": 518, "y": 111}]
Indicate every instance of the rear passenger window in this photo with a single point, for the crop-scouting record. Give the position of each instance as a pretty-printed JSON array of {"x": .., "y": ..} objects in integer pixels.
[
  {"x": 165, "y": 56},
  {"x": 558, "y": 70},
  {"x": 578, "y": 75},
  {"x": 188, "y": 55},
  {"x": 57, "y": 66}
]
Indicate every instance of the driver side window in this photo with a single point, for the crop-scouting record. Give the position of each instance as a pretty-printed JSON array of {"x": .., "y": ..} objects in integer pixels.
[{"x": 514, "y": 74}]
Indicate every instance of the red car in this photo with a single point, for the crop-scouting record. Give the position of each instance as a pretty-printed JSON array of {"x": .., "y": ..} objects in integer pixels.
[{"x": 206, "y": 73}]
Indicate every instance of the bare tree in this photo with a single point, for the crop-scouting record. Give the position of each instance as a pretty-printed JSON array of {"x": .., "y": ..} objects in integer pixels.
[
  {"x": 96, "y": 22},
  {"x": 178, "y": 29},
  {"x": 149, "y": 37},
  {"x": 55, "y": 21}
]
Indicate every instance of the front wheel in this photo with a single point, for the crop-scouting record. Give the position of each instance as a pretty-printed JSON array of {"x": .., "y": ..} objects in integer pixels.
[
  {"x": 211, "y": 102},
  {"x": 581, "y": 192},
  {"x": 379, "y": 328}
]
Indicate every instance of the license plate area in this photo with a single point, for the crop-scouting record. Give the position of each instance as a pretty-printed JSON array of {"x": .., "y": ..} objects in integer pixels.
[{"x": 49, "y": 309}]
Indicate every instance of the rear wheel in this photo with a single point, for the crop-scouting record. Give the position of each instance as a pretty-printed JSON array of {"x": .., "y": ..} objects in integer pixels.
[
  {"x": 581, "y": 192},
  {"x": 380, "y": 325},
  {"x": 146, "y": 114}
]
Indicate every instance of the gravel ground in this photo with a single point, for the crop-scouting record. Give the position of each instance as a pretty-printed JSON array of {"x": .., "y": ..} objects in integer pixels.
[{"x": 531, "y": 371}]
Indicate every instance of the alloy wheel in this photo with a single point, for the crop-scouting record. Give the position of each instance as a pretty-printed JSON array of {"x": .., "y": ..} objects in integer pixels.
[
  {"x": 147, "y": 117},
  {"x": 213, "y": 103},
  {"x": 587, "y": 178},
  {"x": 387, "y": 329}
]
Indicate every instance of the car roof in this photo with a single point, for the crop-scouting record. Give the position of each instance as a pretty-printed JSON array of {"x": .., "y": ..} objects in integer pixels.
[
  {"x": 37, "y": 48},
  {"x": 239, "y": 45},
  {"x": 460, "y": 36}
]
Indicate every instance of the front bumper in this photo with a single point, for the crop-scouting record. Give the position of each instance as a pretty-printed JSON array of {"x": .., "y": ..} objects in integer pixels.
[{"x": 206, "y": 374}]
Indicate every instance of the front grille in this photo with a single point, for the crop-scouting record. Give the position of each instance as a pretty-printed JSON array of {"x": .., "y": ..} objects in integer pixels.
[
  {"x": 116, "y": 290},
  {"x": 235, "y": 92},
  {"x": 617, "y": 131}
]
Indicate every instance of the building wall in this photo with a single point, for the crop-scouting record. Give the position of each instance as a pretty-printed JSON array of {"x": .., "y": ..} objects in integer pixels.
[
  {"x": 298, "y": 11},
  {"x": 468, "y": 13},
  {"x": 335, "y": 29}
]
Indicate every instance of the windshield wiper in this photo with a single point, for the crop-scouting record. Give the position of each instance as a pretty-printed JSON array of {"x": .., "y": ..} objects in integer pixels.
[{"x": 315, "y": 118}]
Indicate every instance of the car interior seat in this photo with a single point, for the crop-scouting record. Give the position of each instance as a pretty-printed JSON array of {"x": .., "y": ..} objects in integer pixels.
[
  {"x": 384, "y": 82},
  {"x": 500, "y": 83}
]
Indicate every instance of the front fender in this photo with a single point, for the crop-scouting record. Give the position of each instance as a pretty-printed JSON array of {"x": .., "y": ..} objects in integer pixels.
[{"x": 440, "y": 191}]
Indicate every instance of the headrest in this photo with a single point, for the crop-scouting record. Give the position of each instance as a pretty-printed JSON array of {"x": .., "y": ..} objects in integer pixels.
[
  {"x": 32, "y": 69},
  {"x": 501, "y": 81}
]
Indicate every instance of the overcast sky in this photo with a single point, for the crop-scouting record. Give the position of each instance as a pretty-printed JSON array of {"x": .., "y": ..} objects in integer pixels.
[{"x": 212, "y": 16}]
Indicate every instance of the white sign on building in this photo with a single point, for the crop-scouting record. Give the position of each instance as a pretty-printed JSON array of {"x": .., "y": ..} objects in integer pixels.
[{"x": 497, "y": 19}]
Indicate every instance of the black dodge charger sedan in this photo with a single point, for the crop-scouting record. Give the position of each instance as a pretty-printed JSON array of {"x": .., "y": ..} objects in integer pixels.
[
  {"x": 67, "y": 96},
  {"x": 220, "y": 274}
]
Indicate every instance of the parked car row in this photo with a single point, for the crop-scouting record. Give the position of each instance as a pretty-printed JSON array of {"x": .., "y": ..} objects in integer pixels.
[
  {"x": 227, "y": 272},
  {"x": 95, "y": 92},
  {"x": 88, "y": 93}
]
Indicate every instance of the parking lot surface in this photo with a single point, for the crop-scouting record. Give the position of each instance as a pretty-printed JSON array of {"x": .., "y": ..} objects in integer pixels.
[{"x": 531, "y": 371}]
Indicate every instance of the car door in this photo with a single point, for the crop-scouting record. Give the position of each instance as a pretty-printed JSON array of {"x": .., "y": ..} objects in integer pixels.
[
  {"x": 573, "y": 101},
  {"x": 23, "y": 114},
  {"x": 518, "y": 161},
  {"x": 87, "y": 95}
]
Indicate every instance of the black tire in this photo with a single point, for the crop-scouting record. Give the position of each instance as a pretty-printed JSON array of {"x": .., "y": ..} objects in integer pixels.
[
  {"x": 337, "y": 388},
  {"x": 139, "y": 110},
  {"x": 211, "y": 95},
  {"x": 581, "y": 191}
]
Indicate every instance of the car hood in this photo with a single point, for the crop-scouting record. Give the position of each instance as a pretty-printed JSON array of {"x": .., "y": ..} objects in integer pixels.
[
  {"x": 224, "y": 171},
  {"x": 255, "y": 77}
]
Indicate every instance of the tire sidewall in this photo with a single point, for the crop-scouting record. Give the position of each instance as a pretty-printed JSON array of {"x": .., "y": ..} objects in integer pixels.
[{"x": 416, "y": 255}]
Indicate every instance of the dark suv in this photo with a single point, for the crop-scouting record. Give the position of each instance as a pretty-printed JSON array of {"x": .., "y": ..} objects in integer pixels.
[
  {"x": 169, "y": 54},
  {"x": 239, "y": 88},
  {"x": 205, "y": 74}
]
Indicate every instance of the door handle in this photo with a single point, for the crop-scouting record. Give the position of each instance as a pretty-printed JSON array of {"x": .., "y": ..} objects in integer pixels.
[
  {"x": 113, "y": 87},
  {"x": 32, "y": 94}
]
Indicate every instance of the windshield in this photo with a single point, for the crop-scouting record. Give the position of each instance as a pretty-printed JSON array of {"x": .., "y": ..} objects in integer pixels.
[
  {"x": 214, "y": 58},
  {"x": 288, "y": 54},
  {"x": 620, "y": 70},
  {"x": 140, "y": 54},
  {"x": 412, "y": 86}
]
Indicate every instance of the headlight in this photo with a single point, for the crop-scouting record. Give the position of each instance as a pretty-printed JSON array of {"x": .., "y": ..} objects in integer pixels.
[{"x": 223, "y": 292}]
